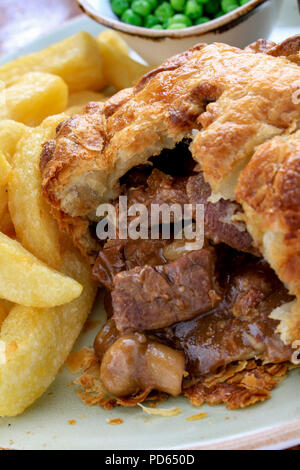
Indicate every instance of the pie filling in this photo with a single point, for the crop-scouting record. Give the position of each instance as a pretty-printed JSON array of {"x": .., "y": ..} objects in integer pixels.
[{"x": 177, "y": 317}]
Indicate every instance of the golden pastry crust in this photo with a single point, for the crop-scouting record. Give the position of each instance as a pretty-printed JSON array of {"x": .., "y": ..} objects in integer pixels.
[
  {"x": 74, "y": 154},
  {"x": 261, "y": 45},
  {"x": 289, "y": 48},
  {"x": 235, "y": 99},
  {"x": 269, "y": 191}
]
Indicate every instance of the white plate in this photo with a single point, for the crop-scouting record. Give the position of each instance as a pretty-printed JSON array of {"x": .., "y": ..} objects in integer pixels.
[{"x": 272, "y": 424}]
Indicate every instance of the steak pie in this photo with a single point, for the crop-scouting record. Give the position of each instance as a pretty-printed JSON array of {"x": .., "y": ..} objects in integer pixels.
[{"x": 216, "y": 126}]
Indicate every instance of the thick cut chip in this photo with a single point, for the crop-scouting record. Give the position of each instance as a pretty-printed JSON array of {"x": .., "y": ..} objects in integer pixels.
[
  {"x": 27, "y": 281},
  {"x": 34, "y": 225},
  {"x": 114, "y": 40},
  {"x": 10, "y": 134},
  {"x": 120, "y": 70},
  {"x": 76, "y": 59},
  {"x": 34, "y": 97},
  {"x": 35, "y": 343}
]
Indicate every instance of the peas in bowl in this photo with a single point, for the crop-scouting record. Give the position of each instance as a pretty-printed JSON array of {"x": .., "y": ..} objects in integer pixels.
[
  {"x": 172, "y": 14},
  {"x": 176, "y": 27}
]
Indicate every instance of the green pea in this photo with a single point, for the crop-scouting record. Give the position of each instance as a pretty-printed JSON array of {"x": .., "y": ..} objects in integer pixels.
[
  {"x": 180, "y": 19},
  {"x": 212, "y": 7},
  {"x": 141, "y": 7},
  {"x": 193, "y": 9},
  {"x": 130, "y": 17},
  {"x": 157, "y": 26},
  {"x": 119, "y": 6},
  {"x": 229, "y": 5},
  {"x": 220, "y": 13},
  {"x": 178, "y": 5},
  {"x": 164, "y": 11},
  {"x": 202, "y": 2},
  {"x": 203, "y": 19},
  {"x": 243, "y": 2},
  {"x": 177, "y": 26},
  {"x": 151, "y": 21},
  {"x": 153, "y": 4}
]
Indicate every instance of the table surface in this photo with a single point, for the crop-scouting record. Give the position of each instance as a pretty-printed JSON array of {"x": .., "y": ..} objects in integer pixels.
[{"x": 22, "y": 21}]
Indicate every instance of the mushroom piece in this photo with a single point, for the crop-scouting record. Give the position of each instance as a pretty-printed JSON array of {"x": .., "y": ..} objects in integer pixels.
[{"x": 134, "y": 364}]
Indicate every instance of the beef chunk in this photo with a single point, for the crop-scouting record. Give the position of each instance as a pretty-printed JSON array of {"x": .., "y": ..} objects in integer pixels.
[
  {"x": 141, "y": 252},
  {"x": 109, "y": 262},
  {"x": 218, "y": 225},
  {"x": 146, "y": 298},
  {"x": 160, "y": 189},
  {"x": 136, "y": 177},
  {"x": 250, "y": 289},
  {"x": 239, "y": 328},
  {"x": 121, "y": 255}
]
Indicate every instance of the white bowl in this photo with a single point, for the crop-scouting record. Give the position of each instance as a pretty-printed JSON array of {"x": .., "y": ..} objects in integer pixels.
[{"x": 239, "y": 28}]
